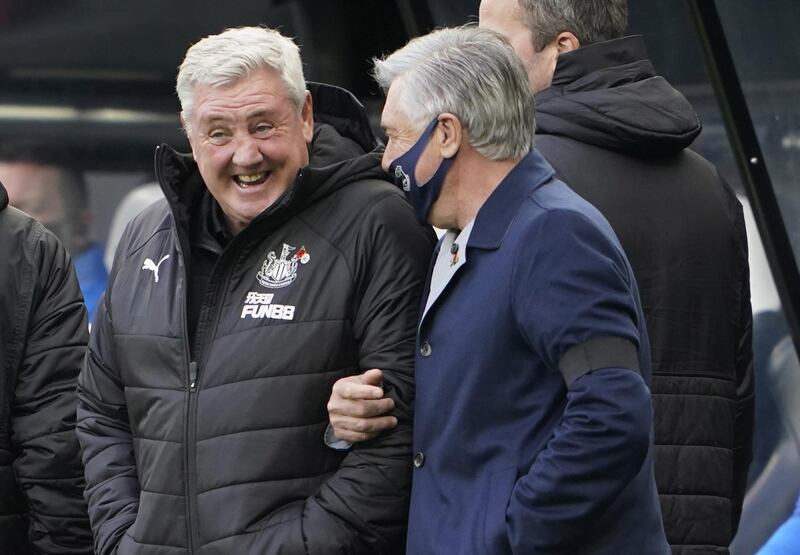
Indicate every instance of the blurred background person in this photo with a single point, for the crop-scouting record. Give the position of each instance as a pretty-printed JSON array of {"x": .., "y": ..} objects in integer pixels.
[{"x": 43, "y": 183}]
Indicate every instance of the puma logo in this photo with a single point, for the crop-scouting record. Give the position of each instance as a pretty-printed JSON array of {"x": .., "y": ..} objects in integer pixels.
[{"x": 152, "y": 266}]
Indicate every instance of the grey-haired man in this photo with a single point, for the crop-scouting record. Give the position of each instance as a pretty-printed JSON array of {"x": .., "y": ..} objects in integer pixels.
[
  {"x": 280, "y": 261},
  {"x": 532, "y": 412}
]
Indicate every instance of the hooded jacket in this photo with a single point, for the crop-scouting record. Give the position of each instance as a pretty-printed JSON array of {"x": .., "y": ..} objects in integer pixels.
[
  {"x": 43, "y": 334},
  {"x": 619, "y": 135},
  {"x": 217, "y": 446}
]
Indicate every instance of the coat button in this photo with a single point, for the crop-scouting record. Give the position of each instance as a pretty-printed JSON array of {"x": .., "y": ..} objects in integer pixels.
[
  {"x": 419, "y": 459},
  {"x": 425, "y": 349}
]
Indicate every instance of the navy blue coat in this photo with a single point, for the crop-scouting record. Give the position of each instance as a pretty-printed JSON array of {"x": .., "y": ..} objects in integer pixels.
[{"x": 533, "y": 414}]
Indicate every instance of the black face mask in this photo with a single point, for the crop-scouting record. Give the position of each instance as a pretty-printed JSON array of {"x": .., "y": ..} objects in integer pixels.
[{"x": 403, "y": 169}]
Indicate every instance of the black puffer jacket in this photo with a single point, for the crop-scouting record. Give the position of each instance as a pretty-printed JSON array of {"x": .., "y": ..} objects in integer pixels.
[
  {"x": 619, "y": 135},
  {"x": 218, "y": 447},
  {"x": 43, "y": 334}
]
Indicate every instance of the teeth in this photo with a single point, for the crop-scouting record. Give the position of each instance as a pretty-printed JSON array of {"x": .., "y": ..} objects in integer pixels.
[{"x": 252, "y": 178}]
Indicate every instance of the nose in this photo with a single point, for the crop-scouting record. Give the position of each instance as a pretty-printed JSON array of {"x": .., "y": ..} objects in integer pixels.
[
  {"x": 247, "y": 153},
  {"x": 386, "y": 160}
]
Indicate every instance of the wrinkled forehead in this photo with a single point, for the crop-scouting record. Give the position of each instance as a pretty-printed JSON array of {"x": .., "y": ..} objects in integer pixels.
[
  {"x": 262, "y": 89},
  {"x": 395, "y": 113},
  {"x": 390, "y": 106}
]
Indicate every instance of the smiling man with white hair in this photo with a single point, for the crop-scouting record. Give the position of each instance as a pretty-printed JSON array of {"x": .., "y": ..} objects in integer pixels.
[
  {"x": 280, "y": 261},
  {"x": 533, "y": 418}
]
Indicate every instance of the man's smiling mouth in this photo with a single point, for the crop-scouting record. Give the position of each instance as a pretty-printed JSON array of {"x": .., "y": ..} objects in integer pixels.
[{"x": 250, "y": 180}]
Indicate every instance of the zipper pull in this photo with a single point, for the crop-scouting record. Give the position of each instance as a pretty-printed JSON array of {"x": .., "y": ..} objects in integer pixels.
[{"x": 192, "y": 375}]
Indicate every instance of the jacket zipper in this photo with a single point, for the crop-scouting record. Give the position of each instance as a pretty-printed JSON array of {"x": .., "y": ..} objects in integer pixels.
[
  {"x": 198, "y": 352},
  {"x": 190, "y": 451},
  {"x": 190, "y": 475},
  {"x": 192, "y": 375},
  {"x": 191, "y": 365}
]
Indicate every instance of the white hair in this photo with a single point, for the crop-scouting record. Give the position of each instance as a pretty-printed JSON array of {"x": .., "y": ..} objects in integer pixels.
[
  {"x": 222, "y": 59},
  {"x": 472, "y": 73}
]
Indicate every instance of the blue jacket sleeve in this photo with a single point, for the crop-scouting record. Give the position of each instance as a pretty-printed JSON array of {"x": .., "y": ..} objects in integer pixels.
[
  {"x": 598, "y": 448},
  {"x": 577, "y": 288}
]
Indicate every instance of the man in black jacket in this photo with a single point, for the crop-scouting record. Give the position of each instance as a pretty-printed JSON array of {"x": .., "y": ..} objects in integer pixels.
[
  {"x": 43, "y": 334},
  {"x": 279, "y": 262},
  {"x": 619, "y": 135}
]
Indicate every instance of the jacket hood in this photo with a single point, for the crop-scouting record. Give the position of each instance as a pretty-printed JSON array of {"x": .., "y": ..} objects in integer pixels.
[
  {"x": 608, "y": 94},
  {"x": 3, "y": 197},
  {"x": 343, "y": 150}
]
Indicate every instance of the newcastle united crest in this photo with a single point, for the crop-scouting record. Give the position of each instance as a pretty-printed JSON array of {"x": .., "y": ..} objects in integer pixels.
[{"x": 280, "y": 272}]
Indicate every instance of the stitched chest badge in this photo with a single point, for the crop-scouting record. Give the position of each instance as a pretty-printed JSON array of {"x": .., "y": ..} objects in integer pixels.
[{"x": 277, "y": 272}]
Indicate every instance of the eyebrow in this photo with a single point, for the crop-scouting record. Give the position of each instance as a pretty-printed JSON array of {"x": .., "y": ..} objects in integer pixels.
[
  {"x": 261, "y": 113},
  {"x": 214, "y": 118},
  {"x": 219, "y": 117}
]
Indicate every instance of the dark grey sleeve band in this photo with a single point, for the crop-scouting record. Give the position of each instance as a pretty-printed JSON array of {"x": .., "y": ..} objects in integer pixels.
[{"x": 596, "y": 353}]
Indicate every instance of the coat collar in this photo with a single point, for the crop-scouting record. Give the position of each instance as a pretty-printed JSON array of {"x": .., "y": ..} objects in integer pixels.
[
  {"x": 577, "y": 64},
  {"x": 498, "y": 212}
]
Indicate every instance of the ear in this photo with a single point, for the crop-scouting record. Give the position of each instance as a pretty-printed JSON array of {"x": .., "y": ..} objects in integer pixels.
[
  {"x": 307, "y": 115},
  {"x": 188, "y": 135},
  {"x": 450, "y": 133},
  {"x": 567, "y": 42}
]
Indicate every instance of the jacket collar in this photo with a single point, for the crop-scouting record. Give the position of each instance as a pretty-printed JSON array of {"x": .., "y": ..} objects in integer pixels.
[
  {"x": 341, "y": 109},
  {"x": 3, "y": 197},
  {"x": 576, "y": 64},
  {"x": 498, "y": 212}
]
